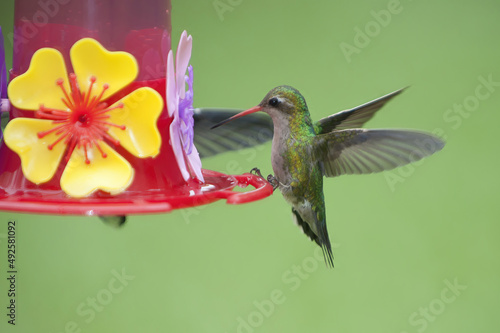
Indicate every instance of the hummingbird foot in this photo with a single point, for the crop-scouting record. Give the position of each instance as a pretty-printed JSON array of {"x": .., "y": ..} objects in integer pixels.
[
  {"x": 256, "y": 171},
  {"x": 270, "y": 179},
  {"x": 273, "y": 181}
]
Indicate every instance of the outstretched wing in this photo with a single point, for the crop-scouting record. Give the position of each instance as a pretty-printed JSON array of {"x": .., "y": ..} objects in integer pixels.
[
  {"x": 248, "y": 131},
  {"x": 355, "y": 117},
  {"x": 361, "y": 151}
]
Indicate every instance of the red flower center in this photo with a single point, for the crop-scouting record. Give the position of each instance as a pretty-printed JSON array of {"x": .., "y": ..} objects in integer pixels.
[{"x": 84, "y": 123}]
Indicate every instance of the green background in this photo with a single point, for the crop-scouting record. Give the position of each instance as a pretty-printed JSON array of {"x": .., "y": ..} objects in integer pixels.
[{"x": 400, "y": 238}]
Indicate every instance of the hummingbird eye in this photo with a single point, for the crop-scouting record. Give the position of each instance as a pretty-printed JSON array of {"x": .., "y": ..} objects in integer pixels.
[{"x": 274, "y": 101}]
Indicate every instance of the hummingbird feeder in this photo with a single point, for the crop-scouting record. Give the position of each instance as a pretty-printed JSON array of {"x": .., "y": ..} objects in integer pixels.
[{"x": 100, "y": 120}]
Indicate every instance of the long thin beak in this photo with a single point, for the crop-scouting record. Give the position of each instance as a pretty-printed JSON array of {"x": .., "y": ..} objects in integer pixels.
[{"x": 241, "y": 114}]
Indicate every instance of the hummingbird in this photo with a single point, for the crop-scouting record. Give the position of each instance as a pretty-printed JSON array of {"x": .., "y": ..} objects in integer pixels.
[{"x": 303, "y": 152}]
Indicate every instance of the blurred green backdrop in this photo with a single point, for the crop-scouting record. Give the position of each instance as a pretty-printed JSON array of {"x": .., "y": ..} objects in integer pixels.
[{"x": 416, "y": 249}]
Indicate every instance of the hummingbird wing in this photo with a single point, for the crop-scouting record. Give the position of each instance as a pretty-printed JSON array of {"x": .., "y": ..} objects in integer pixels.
[
  {"x": 355, "y": 117},
  {"x": 114, "y": 220},
  {"x": 249, "y": 131},
  {"x": 362, "y": 151}
]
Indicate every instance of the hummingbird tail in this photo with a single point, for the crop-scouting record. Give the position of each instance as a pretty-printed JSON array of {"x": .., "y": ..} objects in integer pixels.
[
  {"x": 306, "y": 229},
  {"x": 327, "y": 252},
  {"x": 322, "y": 239},
  {"x": 326, "y": 246}
]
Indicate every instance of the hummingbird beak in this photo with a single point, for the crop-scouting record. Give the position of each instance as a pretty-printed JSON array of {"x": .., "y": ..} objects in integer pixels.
[{"x": 241, "y": 114}]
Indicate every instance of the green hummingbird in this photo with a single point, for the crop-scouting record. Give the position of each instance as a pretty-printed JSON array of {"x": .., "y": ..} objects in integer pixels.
[{"x": 303, "y": 152}]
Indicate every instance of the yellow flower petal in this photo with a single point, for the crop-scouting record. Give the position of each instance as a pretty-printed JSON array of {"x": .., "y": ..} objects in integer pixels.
[
  {"x": 112, "y": 174},
  {"x": 141, "y": 110},
  {"x": 89, "y": 58},
  {"x": 38, "y": 84},
  {"x": 38, "y": 162}
]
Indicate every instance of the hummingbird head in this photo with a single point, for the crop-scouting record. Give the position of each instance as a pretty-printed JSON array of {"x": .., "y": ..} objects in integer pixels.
[{"x": 282, "y": 102}]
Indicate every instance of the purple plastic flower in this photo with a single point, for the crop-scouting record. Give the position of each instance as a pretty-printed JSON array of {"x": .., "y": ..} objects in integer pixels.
[
  {"x": 4, "y": 102},
  {"x": 186, "y": 114},
  {"x": 180, "y": 108},
  {"x": 3, "y": 68}
]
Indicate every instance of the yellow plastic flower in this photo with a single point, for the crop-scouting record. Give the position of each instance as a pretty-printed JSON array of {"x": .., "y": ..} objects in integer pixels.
[{"x": 75, "y": 120}]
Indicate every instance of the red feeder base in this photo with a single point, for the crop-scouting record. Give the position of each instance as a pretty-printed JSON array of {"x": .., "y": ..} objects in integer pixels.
[{"x": 217, "y": 186}]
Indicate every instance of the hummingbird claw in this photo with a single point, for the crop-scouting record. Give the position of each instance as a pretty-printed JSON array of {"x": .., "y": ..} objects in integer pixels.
[
  {"x": 270, "y": 179},
  {"x": 273, "y": 181},
  {"x": 256, "y": 171}
]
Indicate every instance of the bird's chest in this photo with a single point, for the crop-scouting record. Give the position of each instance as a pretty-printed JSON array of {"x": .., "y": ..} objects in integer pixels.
[{"x": 291, "y": 163}]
